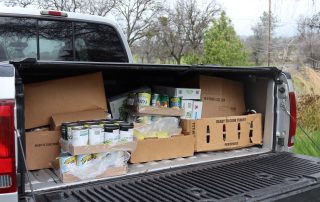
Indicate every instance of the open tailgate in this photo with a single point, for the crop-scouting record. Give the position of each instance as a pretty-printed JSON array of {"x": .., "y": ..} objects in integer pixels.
[{"x": 270, "y": 176}]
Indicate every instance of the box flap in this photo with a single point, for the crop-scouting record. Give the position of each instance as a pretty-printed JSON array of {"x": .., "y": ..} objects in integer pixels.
[
  {"x": 72, "y": 94},
  {"x": 57, "y": 119}
]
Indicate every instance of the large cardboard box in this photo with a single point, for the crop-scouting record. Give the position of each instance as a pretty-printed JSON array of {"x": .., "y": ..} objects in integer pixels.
[
  {"x": 72, "y": 94},
  {"x": 153, "y": 149},
  {"x": 220, "y": 97},
  {"x": 57, "y": 119},
  {"x": 42, "y": 147},
  {"x": 223, "y": 133}
]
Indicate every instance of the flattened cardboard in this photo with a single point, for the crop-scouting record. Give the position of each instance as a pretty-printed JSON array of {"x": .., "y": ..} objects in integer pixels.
[
  {"x": 72, "y": 94},
  {"x": 220, "y": 97},
  {"x": 101, "y": 148},
  {"x": 223, "y": 133},
  {"x": 57, "y": 119},
  {"x": 163, "y": 148},
  {"x": 42, "y": 147}
]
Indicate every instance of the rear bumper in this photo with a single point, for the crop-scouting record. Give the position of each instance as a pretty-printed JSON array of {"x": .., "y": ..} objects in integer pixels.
[{"x": 11, "y": 197}]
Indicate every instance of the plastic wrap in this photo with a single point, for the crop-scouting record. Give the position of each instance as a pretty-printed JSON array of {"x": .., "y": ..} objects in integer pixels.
[
  {"x": 162, "y": 128},
  {"x": 99, "y": 165}
]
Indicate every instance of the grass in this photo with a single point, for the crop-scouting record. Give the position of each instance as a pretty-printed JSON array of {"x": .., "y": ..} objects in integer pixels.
[
  {"x": 303, "y": 145},
  {"x": 308, "y": 117}
]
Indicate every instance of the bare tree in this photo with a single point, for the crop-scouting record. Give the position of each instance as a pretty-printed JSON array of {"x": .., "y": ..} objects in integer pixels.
[
  {"x": 94, "y": 7},
  {"x": 20, "y": 3},
  {"x": 137, "y": 15},
  {"x": 195, "y": 20}
]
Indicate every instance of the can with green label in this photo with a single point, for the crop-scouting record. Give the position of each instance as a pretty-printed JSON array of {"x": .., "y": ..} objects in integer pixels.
[{"x": 164, "y": 101}]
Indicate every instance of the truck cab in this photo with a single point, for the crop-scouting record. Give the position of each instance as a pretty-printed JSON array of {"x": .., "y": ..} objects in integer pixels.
[{"x": 62, "y": 44}]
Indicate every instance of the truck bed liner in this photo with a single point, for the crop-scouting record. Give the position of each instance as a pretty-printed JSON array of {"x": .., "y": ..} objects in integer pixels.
[{"x": 260, "y": 177}]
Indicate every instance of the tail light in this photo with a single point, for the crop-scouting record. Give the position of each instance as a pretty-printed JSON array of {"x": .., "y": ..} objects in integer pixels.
[
  {"x": 293, "y": 123},
  {"x": 54, "y": 13},
  {"x": 7, "y": 147}
]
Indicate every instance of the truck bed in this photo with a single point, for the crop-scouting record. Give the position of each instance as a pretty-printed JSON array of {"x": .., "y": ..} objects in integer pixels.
[{"x": 262, "y": 177}]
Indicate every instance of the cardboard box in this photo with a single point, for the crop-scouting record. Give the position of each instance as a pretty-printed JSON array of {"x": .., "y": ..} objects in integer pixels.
[
  {"x": 220, "y": 97},
  {"x": 223, "y": 133},
  {"x": 187, "y": 105},
  {"x": 153, "y": 149},
  {"x": 42, "y": 147},
  {"x": 101, "y": 148},
  {"x": 57, "y": 119},
  {"x": 67, "y": 177},
  {"x": 150, "y": 110},
  {"x": 72, "y": 94},
  {"x": 185, "y": 93}
]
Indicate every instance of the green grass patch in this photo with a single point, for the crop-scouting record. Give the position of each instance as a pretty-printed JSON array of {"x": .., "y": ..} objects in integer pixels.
[{"x": 303, "y": 145}]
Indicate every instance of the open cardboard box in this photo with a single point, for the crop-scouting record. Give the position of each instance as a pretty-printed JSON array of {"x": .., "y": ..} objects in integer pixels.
[
  {"x": 153, "y": 149},
  {"x": 67, "y": 177},
  {"x": 224, "y": 133}
]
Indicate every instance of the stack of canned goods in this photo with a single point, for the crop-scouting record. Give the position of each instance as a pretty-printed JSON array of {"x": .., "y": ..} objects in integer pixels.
[
  {"x": 96, "y": 132},
  {"x": 155, "y": 100}
]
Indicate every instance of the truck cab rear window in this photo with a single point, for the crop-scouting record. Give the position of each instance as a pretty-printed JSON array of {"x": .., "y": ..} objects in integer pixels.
[{"x": 59, "y": 40}]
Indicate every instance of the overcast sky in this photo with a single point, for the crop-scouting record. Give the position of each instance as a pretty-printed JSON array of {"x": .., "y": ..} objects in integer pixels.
[{"x": 245, "y": 13}]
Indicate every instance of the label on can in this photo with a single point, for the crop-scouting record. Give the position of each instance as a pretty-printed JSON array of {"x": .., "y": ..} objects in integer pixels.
[
  {"x": 80, "y": 137},
  {"x": 164, "y": 101},
  {"x": 144, "y": 99},
  {"x": 111, "y": 137},
  {"x": 126, "y": 136},
  {"x": 175, "y": 102},
  {"x": 83, "y": 159},
  {"x": 155, "y": 100},
  {"x": 96, "y": 135}
]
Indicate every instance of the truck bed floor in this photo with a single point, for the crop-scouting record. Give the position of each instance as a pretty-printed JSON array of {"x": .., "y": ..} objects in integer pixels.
[{"x": 261, "y": 177}]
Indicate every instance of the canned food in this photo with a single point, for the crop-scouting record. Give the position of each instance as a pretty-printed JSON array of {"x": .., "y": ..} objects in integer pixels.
[
  {"x": 144, "y": 99},
  {"x": 66, "y": 162},
  {"x": 80, "y": 136},
  {"x": 175, "y": 102},
  {"x": 64, "y": 130},
  {"x": 83, "y": 159},
  {"x": 111, "y": 133},
  {"x": 155, "y": 100},
  {"x": 69, "y": 129},
  {"x": 126, "y": 132},
  {"x": 96, "y": 135},
  {"x": 164, "y": 101}
]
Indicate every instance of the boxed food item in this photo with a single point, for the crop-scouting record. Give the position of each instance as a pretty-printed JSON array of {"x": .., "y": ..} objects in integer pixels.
[
  {"x": 42, "y": 147},
  {"x": 220, "y": 97},
  {"x": 57, "y": 119},
  {"x": 184, "y": 93},
  {"x": 73, "y": 94},
  {"x": 223, "y": 133},
  {"x": 192, "y": 109},
  {"x": 153, "y": 149}
]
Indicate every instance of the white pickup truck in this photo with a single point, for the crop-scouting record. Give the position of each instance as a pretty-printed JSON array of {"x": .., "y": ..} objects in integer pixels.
[{"x": 59, "y": 44}]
